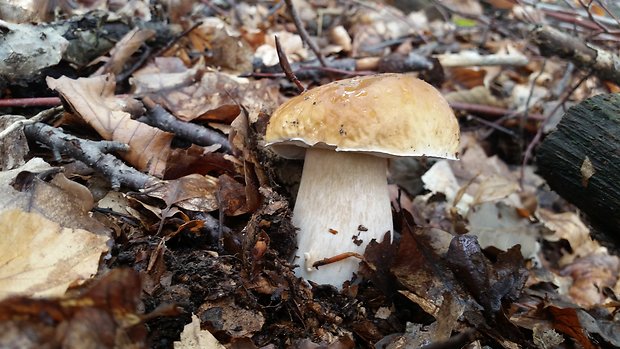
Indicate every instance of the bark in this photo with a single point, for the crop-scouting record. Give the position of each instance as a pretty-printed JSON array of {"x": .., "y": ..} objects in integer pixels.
[{"x": 581, "y": 160}]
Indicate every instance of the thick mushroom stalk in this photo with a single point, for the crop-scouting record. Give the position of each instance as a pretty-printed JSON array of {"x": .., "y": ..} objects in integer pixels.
[{"x": 343, "y": 203}]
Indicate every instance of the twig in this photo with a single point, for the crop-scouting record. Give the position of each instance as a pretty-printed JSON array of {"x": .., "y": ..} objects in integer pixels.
[
  {"x": 286, "y": 67},
  {"x": 93, "y": 154},
  {"x": 588, "y": 8},
  {"x": 493, "y": 125},
  {"x": 197, "y": 134},
  {"x": 337, "y": 258},
  {"x": 539, "y": 133},
  {"x": 303, "y": 33},
  {"x": 30, "y": 102},
  {"x": 21, "y": 123},
  {"x": 527, "y": 105},
  {"x": 489, "y": 110},
  {"x": 472, "y": 58}
]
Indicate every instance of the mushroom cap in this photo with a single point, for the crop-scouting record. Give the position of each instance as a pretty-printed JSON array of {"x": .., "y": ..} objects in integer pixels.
[{"x": 385, "y": 115}]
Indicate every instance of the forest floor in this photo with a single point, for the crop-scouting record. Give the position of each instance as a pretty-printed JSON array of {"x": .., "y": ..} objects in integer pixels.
[{"x": 141, "y": 206}]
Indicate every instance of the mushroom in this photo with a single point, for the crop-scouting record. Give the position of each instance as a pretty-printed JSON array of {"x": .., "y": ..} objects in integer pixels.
[{"x": 347, "y": 129}]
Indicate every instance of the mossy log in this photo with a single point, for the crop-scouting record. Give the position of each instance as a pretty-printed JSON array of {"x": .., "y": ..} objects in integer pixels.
[{"x": 581, "y": 161}]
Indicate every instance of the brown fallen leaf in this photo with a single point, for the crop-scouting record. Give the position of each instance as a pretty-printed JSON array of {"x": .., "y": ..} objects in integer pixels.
[
  {"x": 94, "y": 100},
  {"x": 38, "y": 257},
  {"x": 122, "y": 51},
  {"x": 36, "y": 187},
  {"x": 225, "y": 44},
  {"x": 192, "y": 192},
  {"x": 224, "y": 318},
  {"x": 105, "y": 316},
  {"x": 566, "y": 321},
  {"x": 488, "y": 282}
]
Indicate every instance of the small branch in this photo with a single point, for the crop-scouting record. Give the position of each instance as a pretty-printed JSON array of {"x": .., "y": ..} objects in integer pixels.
[
  {"x": 286, "y": 67},
  {"x": 551, "y": 41},
  {"x": 197, "y": 134},
  {"x": 491, "y": 111},
  {"x": 93, "y": 154},
  {"x": 337, "y": 258},
  {"x": 303, "y": 33},
  {"x": 30, "y": 102},
  {"x": 37, "y": 118},
  {"x": 471, "y": 58}
]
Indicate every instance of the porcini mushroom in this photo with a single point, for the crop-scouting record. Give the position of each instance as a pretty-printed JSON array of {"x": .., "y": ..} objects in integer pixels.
[{"x": 347, "y": 129}]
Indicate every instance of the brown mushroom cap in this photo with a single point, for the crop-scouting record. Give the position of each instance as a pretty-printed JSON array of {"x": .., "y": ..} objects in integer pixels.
[{"x": 384, "y": 115}]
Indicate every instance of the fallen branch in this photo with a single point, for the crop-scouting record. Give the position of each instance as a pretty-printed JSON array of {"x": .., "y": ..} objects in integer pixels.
[
  {"x": 30, "y": 102},
  {"x": 21, "y": 123},
  {"x": 472, "y": 58},
  {"x": 603, "y": 63},
  {"x": 197, "y": 134},
  {"x": 93, "y": 154}
]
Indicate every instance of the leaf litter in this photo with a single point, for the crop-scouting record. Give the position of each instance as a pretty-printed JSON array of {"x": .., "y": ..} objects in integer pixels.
[{"x": 483, "y": 254}]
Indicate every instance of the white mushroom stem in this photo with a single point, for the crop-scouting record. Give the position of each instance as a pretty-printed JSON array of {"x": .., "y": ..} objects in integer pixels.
[{"x": 343, "y": 199}]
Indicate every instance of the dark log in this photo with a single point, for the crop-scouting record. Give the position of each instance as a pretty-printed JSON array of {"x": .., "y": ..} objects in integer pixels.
[{"x": 581, "y": 161}]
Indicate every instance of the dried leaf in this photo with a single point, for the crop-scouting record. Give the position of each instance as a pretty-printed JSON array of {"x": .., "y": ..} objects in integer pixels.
[
  {"x": 193, "y": 192},
  {"x": 193, "y": 337},
  {"x": 93, "y": 99},
  {"x": 423, "y": 273},
  {"x": 192, "y": 94},
  {"x": 40, "y": 258},
  {"x": 60, "y": 200},
  {"x": 226, "y": 46},
  {"x": 488, "y": 282},
  {"x": 104, "y": 317},
  {"x": 224, "y": 316},
  {"x": 122, "y": 51},
  {"x": 566, "y": 321}
]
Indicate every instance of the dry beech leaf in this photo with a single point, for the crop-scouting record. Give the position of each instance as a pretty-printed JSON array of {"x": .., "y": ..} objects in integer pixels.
[
  {"x": 104, "y": 316},
  {"x": 193, "y": 192},
  {"x": 569, "y": 226},
  {"x": 38, "y": 257},
  {"x": 122, "y": 51},
  {"x": 193, "y": 337},
  {"x": 192, "y": 94},
  {"x": 226, "y": 46},
  {"x": 476, "y": 95},
  {"x": 60, "y": 200},
  {"x": 93, "y": 99}
]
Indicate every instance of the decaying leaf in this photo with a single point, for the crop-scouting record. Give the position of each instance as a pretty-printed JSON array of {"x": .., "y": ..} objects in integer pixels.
[
  {"x": 225, "y": 317},
  {"x": 228, "y": 49},
  {"x": 193, "y": 337},
  {"x": 105, "y": 316},
  {"x": 488, "y": 282}
]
